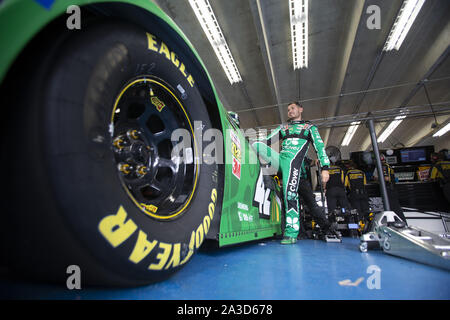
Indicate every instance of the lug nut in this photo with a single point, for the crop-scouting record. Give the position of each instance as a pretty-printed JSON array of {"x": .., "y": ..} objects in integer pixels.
[
  {"x": 141, "y": 171},
  {"x": 120, "y": 142},
  {"x": 133, "y": 134},
  {"x": 125, "y": 168}
]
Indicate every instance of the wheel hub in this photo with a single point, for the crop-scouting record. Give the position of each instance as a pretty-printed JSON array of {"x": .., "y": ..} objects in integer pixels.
[
  {"x": 140, "y": 153},
  {"x": 156, "y": 181},
  {"x": 136, "y": 154}
]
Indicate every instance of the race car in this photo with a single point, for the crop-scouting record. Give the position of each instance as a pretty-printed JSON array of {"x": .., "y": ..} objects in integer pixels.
[{"x": 118, "y": 156}]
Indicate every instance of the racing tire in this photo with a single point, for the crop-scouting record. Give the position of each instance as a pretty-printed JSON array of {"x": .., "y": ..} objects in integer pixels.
[{"x": 94, "y": 180}]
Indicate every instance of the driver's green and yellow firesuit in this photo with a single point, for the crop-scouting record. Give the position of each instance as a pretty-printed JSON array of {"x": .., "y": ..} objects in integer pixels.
[{"x": 296, "y": 136}]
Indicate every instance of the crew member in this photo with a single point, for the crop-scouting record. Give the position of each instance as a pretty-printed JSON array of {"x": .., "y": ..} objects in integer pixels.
[
  {"x": 440, "y": 172},
  {"x": 297, "y": 134},
  {"x": 335, "y": 191},
  {"x": 389, "y": 178},
  {"x": 355, "y": 182}
]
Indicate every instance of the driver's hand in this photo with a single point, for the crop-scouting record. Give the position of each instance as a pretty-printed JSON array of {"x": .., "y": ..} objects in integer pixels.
[{"x": 325, "y": 176}]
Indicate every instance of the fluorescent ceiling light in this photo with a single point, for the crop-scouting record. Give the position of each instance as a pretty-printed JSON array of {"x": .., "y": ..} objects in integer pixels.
[
  {"x": 390, "y": 128},
  {"x": 298, "y": 13},
  {"x": 442, "y": 131},
  {"x": 210, "y": 26},
  {"x": 408, "y": 13},
  {"x": 350, "y": 132}
]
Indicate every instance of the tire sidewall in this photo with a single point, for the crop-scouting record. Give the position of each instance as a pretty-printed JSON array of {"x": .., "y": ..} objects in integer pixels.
[{"x": 84, "y": 176}]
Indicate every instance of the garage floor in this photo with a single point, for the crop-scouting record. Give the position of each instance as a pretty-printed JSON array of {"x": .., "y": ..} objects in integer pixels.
[{"x": 310, "y": 269}]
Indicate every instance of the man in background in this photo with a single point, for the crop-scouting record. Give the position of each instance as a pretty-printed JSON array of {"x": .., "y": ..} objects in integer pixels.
[
  {"x": 355, "y": 182},
  {"x": 335, "y": 190},
  {"x": 440, "y": 172},
  {"x": 389, "y": 178}
]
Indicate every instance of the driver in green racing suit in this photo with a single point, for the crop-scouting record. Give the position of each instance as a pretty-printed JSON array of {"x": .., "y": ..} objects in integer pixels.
[{"x": 296, "y": 135}]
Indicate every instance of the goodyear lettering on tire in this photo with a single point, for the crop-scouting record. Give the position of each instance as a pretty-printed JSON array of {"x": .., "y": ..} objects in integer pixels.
[
  {"x": 154, "y": 44},
  {"x": 118, "y": 228}
]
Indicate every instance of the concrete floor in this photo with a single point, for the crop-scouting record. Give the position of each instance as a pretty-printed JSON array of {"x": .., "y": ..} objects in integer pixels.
[{"x": 266, "y": 270}]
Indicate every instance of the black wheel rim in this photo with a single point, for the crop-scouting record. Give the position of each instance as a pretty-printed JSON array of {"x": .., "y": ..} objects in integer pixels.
[{"x": 158, "y": 175}]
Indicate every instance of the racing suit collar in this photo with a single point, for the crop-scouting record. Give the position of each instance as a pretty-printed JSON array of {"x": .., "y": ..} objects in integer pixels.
[{"x": 296, "y": 121}]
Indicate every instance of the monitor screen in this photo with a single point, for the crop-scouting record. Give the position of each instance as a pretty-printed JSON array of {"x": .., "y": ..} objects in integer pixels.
[
  {"x": 413, "y": 155},
  {"x": 367, "y": 158},
  {"x": 391, "y": 159}
]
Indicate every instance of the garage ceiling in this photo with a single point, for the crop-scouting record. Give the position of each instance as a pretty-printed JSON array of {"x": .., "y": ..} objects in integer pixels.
[{"x": 348, "y": 73}]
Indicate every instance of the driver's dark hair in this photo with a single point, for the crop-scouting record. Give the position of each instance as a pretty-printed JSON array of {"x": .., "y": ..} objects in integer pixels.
[{"x": 298, "y": 104}]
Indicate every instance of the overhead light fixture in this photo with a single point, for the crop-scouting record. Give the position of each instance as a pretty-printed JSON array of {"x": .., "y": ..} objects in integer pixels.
[
  {"x": 442, "y": 131},
  {"x": 298, "y": 13},
  {"x": 350, "y": 132},
  {"x": 394, "y": 124},
  {"x": 210, "y": 26},
  {"x": 408, "y": 13}
]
